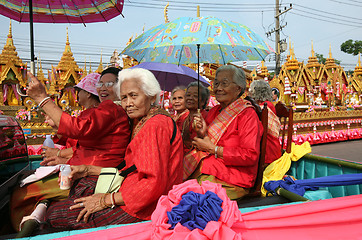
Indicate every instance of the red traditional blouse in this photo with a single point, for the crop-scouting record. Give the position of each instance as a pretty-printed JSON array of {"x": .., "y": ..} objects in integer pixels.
[
  {"x": 159, "y": 166},
  {"x": 103, "y": 134},
  {"x": 241, "y": 142}
]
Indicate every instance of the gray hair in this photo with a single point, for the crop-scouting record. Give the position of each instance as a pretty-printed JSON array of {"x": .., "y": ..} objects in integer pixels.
[
  {"x": 183, "y": 88},
  {"x": 261, "y": 91},
  {"x": 204, "y": 92},
  {"x": 238, "y": 76},
  {"x": 148, "y": 82}
]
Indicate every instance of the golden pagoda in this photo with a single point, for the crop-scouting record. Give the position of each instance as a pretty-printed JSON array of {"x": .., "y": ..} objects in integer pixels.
[
  {"x": 357, "y": 76},
  {"x": 40, "y": 74},
  {"x": 313, "y": 68},
  {"x": 68, "y": 72},
  {"x": 292, "y": 70},
  {"x": 264, "y": 70},
  {"x": 12, "y": 72}
]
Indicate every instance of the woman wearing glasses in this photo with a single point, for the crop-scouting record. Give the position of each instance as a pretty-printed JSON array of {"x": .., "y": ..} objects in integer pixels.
[
  {"x": 103, "y": 133},
  {"x": 229, "y": 152}
]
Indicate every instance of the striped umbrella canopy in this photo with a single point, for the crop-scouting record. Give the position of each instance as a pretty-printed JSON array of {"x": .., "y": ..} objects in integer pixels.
[{"x": 63, "y": 11}]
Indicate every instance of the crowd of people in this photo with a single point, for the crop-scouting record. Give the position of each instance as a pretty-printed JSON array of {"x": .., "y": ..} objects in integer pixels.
[{"x": 128, "y": 130}]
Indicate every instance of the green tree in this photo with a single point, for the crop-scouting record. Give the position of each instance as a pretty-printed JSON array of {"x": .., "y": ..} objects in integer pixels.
[
  {"x": 351, "y": 47},
  {"x": 322, "y": 59}
]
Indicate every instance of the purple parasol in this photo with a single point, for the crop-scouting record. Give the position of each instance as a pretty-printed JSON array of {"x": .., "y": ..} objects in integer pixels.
[{"x": 171, "y": 75}]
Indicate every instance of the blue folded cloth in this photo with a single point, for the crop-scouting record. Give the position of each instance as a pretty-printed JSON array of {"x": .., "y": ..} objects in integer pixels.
[{"x": 195, "y": 210}]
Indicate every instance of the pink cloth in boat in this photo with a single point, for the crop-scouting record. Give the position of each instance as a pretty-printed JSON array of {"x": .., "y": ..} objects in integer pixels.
[{"x": 331, "y": 219}]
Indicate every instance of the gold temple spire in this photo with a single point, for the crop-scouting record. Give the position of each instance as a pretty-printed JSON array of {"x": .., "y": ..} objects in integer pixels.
[
  {"x": 40, "y": 73},
  {"x": 359, "y": 60},
  {"x": 100, "y": 66},
  {"x": 10, "y": 31},
  {"x": 85, "y": 66},
  {"x": 68, "y": 70},
  {"x": 90, "y": 67},
  {"x": 330, "y": 63},
  {"x": 67, "y": 37},
  {"x": 9, "y": 50},
  {"x": 198, "y": 11},
  {"x": 290, "y": 46},
  {"x": 165, "y": 13},
  {"x": 312, "y": 52}
]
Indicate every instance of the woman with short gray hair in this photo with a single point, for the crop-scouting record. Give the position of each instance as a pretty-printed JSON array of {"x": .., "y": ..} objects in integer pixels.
[
  {"x": 261, "y": 92},
  {"x": 196, "y": 99},
  {"x": 228, "y": 153},
  {"x": 153, "y": 161}
]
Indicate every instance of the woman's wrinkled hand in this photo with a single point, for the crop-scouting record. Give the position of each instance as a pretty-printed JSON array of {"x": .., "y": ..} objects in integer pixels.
[
  {"x": 79, "y": 171},
  {"x": 49, "y": 152},
  {"x": 89, "y": 204},
  {"x": 199, "y": 125},
  {"x": 36, "y": 90},
  {"x": 53, "y": 160},
  {"x": 204, "y": 144}
]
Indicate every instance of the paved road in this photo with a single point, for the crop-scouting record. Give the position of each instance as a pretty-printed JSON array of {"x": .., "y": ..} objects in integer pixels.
[{"x": 348, "y": 150}]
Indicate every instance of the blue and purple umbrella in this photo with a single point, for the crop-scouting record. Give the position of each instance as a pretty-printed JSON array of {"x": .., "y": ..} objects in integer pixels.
[{"x": 171, "y": 75}]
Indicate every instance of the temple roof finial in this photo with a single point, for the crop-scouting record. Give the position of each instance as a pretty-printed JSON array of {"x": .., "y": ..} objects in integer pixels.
[
  {"x": 100, "y": 66},
  {"x": 359, "y": 59},
  {"x": 10, "y": 31},
  {"x": 198, "y": 11},
  {"x": 67, "y": 37},
  {"x": 290, "y": 46},
  {"x": 165, "y": 13},
  {"x": 330, "y": 51},
  {"x": 312, "y": 51}
]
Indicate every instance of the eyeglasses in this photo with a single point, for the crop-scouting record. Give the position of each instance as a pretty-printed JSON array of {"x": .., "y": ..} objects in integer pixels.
[
  {"x": 223, "y": 84},
  {"x": 106, "y": 84}
]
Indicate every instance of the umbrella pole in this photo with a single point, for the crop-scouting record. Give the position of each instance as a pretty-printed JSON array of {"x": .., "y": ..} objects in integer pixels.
[
  {"x": 32, "y": 58},
  {"x": 198, "y": 76}
]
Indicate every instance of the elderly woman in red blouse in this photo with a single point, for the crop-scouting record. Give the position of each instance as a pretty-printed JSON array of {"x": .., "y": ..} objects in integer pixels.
[
  {"x": 229, "y": 152},
  {"x": 102, "y": 132},
  {"x": 261, "y": 92},
  {"x": 155, "y": 151}
]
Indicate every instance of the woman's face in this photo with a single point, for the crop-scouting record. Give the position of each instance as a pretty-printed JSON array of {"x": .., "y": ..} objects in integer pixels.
[
  {"x": 105, "y": 87},
  {"x": 226, "y": 91},
  {"x": 82, "y": 97},
  {"x": 133, "y": 100},
  {"x": 178, "y": 100},
  {"x": 191, "y": 98}
]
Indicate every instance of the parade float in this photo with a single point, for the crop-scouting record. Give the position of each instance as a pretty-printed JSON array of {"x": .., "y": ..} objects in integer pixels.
[{"x": 326, "y": 100}]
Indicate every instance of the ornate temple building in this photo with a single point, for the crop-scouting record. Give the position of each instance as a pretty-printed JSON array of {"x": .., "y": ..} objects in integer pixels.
[
  {"x": 323, "y": 96},
  {"x": 12, "y": 73}
]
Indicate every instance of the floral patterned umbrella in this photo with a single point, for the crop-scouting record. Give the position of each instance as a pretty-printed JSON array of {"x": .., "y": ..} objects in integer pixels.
[{"x": 220, "y": 42}]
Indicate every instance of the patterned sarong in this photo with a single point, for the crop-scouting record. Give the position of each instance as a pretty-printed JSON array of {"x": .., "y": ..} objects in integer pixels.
[
  {"x": 24, "y": 199},
  {"x": 59, "y": 215},
  {"x": 215, "y": 132}
]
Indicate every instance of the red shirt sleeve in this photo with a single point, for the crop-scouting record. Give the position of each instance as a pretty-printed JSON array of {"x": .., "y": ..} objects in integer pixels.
[
  {"x": 97, "y": 121},
  {"x": 242, "y": 147}
]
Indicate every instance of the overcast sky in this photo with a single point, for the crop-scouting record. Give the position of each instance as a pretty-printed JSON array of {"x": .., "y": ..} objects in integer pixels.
[{"x": 326, "y": 22}]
